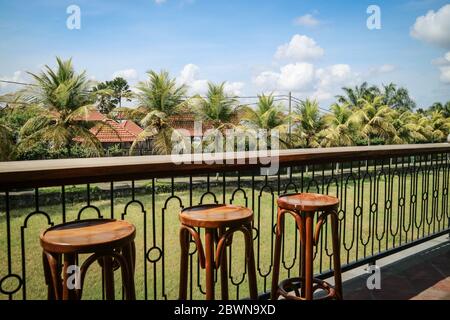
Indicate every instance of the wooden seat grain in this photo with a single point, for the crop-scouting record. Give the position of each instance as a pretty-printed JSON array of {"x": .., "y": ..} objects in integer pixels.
[
  {"x": 215, "y": 216},
  {"x": 87, "y": 236}
]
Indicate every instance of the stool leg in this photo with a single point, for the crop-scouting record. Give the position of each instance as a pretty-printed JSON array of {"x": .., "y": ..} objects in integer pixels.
[
  {"x": 184, "y": 256},
  {"x": 108, "y": 274},
  {"x": 336, "y": 254},
  {"x": 309, "y": 273},
  {"x": 48, "y": 278},
  {"x": 301, "y": 229},
  {"x": 68, "y": 293},
  {"x": 224, "y": 269},
  {"x": 277, "y": 254},
  {"x": 129, "y": 255},
  {"x": 210, "y": 265},
  {"x": 251, "y": 262}
]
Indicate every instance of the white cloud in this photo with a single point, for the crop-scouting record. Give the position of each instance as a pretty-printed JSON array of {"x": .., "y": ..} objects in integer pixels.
[
  {"x": 127, "y": 74},
  {"x": 385, "y": 68},
  {"x": 189, "y": 76},
  {"x": 434, "y": 27},
  {"x": 300, "y": 48},
  {"x": 443, "y": 63},
  {"x": 292, "y": 77},
  {"x": 331, "y": 79},
  {"x": 306, "y": 20},
  {"x": 445, "y": 74},
  {"x": 160, "y": 1},
  {"x": 335, "y": 74}
]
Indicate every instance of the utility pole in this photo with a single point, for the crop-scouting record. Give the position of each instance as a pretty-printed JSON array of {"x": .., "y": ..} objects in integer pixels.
[{"x": 290, "y": 113}]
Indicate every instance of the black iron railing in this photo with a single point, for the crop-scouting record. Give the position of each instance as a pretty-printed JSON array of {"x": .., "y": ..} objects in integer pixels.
[{"x": 392, "y": 197}]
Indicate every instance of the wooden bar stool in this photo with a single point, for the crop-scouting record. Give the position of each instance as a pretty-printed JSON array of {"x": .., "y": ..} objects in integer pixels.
[
  {"x": 109, "y": 241},
  {"x": 303, "y": 207},
  {"x": 220, "y": 223}
]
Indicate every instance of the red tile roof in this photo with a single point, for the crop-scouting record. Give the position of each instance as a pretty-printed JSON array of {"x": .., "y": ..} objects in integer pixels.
[
  {"x": 186, "y": 122},
  {"x": 94, "y": 116},
  {"x": 111, "y": 131},
  {"x": 131, "y": 126}
]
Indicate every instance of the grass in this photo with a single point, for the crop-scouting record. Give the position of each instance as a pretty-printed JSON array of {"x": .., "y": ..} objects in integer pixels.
[{"x": 362, "y": 227}]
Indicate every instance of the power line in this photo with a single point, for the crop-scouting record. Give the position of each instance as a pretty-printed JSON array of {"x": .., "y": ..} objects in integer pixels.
[{"x": 19, "y": 83}]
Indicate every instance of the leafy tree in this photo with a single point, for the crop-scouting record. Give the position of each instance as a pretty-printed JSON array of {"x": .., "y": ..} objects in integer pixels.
[
  {"x": 307, "y": 124},
  {"x": 7, "y": 147},
  {"x": 440, "y": 127},
  {"x": 64, "y": 100},
  {"x": 267, "y": 116},
  {"x": 406, "y": 129},
  {"x": 374, "y": 119},
  {"x": 339, "y": 130},
  {"x": 443, "y": 108},
  {"x": 218, "y": 108},
  {"x": 160, "y": 97},
  {"x": 397, "y": 98},
  {"x": 353, "y": 96},
  {"x": 110, "y": 94}
]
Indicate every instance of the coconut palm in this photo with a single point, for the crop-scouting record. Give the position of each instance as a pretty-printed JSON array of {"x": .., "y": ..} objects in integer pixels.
[
  {"x": 397, "y": 98},
  {"x": 374, "y": 119},
  {"x": 444, "y": 108},
  {"x": 339, "y": 129},
  {"x": 7, "y": 145},
  {"x": 218, "y": 108},
  {"x": 353, "y": 96},
  {"x": 160, "y": 98},
  {"x": 64, "y": 98},
  {"x": 407, "y": 129},
  {"x": 440, "y": 127},
  {"x": 307, "y": 123},
  {"x": 267, "y": 116}
]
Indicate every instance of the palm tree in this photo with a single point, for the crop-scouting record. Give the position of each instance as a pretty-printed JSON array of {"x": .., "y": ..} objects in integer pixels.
[
  {"x": 64, "y": 99},
  {"x": 6, "y": 143},
  {"x": 407, "y": 129},
  {"x": 445, "y": 109},
  {"x": 160, "y": 98},
  {"x": 267, "y": 116},
  {"x": 440, "y": 127},
  {"x": 218, "y": 108},
  {"x": 353, "y": 96},
  {"x": 339, "y": 129},
  {"x": 307, "y": 123},
  {"x": 397, "y": 98},
  {"x": 374, "y": 119}
]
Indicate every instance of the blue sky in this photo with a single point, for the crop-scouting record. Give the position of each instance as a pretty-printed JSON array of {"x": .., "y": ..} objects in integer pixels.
[{"x": 309, "y": 47}]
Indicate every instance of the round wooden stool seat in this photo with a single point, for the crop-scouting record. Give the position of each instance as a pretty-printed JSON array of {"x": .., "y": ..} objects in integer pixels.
[
  {"x": 307, "y": 202},
  {"x": 216, "y": 216},
  {"x": 87, "y": 236},
  {"x": 109, "y": 242}
]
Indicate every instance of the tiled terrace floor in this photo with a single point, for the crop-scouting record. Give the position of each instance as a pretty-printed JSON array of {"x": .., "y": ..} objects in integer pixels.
[{"x": 423, "y": 275}]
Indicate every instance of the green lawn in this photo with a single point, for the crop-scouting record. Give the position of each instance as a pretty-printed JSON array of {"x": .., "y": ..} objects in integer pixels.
[{"x": 361, "y": 231}]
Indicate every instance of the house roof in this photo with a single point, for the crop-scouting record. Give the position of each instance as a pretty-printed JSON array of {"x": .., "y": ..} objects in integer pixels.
[
  {"x": 94, "y": 115},
  {"x": 110, "y": 131},
  {"x": 186, "y": 122},
  {"x": 131, "y": 126}
]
